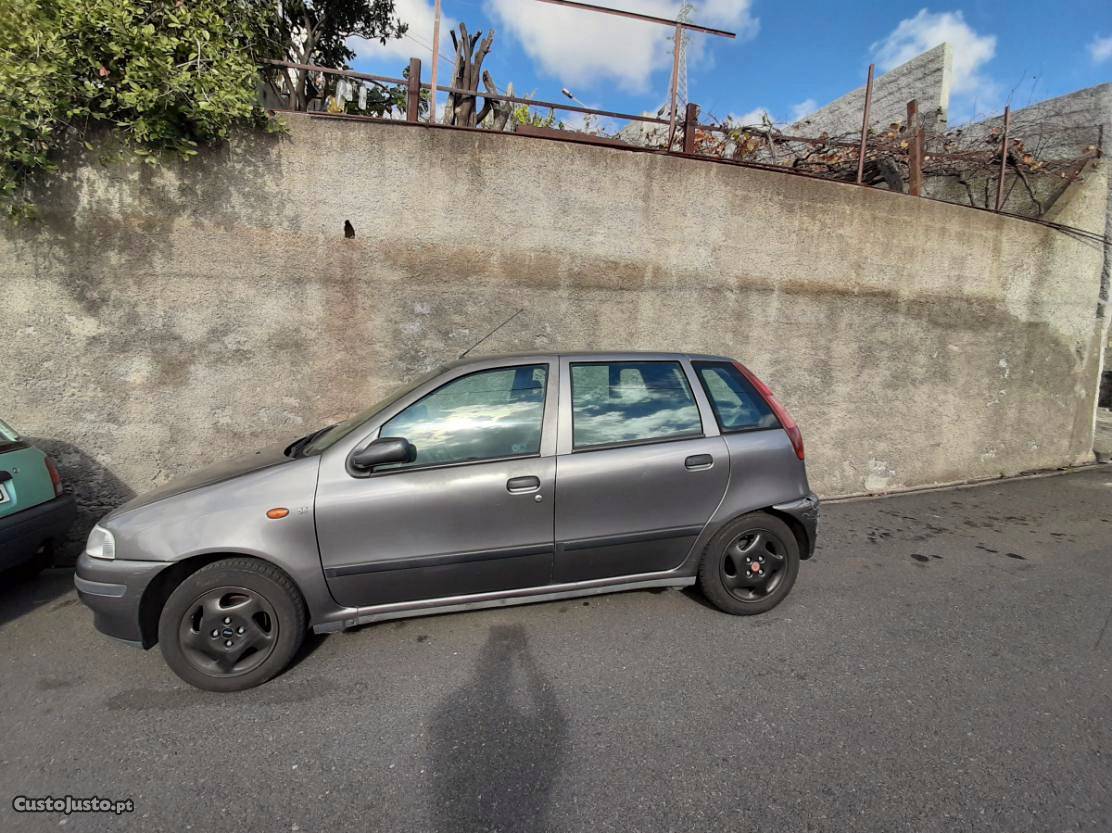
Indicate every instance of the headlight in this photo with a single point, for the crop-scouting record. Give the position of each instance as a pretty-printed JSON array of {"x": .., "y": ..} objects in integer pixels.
[{"x": 101, "y": 544}]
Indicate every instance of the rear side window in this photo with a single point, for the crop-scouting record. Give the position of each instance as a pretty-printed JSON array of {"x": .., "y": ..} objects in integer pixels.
[
  {"x": 626, "y": 402},
  {"x": 737, "y": 405}
]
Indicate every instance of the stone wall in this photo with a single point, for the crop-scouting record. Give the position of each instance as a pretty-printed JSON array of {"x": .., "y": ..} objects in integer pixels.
[
  {"x": 925, "y": 77},
  {"x": 159, "y": 318}
]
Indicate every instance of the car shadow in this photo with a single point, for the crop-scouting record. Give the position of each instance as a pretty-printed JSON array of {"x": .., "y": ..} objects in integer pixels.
[
  {"x": 96, "y": 492},
  {"x": 20, "y": 594},
  {"x": 308, "y": 647},
  {"x": 496, "y": 743},
  {"x": 696, "y": 595}
]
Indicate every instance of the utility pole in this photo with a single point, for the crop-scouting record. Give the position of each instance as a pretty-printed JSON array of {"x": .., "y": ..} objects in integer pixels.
[
  {"x": 435, "y": 63},
  {"x": 681, "y": 83}
]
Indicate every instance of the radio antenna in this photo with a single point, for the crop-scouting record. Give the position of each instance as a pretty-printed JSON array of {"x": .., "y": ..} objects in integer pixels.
[{"x": 488, "y": 335}]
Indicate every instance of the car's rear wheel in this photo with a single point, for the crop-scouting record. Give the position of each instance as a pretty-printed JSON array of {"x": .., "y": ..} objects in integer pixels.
[
  {"x": 750, "y": 565},
  {"x": 232, "y": 625}
]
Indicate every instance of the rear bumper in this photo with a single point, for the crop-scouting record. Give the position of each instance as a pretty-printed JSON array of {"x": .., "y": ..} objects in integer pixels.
[
  {"x": 23, "y": 533},
  {"x": 113, "y": 590},
  {"x": 806, "y": 512}
]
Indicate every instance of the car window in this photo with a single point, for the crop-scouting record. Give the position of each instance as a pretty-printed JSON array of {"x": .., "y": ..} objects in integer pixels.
[
  {"x": 481, "y": 416},
  {"x": 7, "y": 432},
  {"x": 737, "y": 405},
  {"x": 622, "y": 402}
]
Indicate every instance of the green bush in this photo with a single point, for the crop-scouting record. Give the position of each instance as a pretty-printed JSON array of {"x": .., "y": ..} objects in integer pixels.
[{"x": 165, "y": 75}]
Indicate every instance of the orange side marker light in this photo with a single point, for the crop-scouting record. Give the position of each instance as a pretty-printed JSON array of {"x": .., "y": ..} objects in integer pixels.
[{"x": 277, "y": 513}]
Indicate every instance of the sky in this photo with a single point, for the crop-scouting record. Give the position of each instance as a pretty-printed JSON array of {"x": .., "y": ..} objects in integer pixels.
[{"x": 787, "y": 60}]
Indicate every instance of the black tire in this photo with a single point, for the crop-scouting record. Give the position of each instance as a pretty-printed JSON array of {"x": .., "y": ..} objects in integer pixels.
[
  {"x": 232, "y": 625},
  {"x": 726, "y": 573}
]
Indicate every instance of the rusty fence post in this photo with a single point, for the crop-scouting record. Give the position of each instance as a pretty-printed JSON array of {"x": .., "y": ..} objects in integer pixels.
[
  {"x": 413, "y": 91},
  {"x": 1003, "y": 159},
  {"x": 865, "y": 125},
  {"x": 914, "y": 150},
  {"x": 690, "y": 123}
]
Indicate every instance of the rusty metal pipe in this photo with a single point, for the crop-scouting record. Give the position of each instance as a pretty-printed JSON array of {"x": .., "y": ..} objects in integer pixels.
[
  {"x": 865, "y": 125},
  {"x": 1003, "y": 159},
  {"x": 590, "y": 7}
]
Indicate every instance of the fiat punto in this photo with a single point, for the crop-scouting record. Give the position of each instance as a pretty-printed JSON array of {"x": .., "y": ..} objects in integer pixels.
[{"x": 492, "y": 481}]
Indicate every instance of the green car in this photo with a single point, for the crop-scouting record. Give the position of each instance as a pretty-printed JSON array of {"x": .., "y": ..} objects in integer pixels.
[{"x": 35, "y": 515}]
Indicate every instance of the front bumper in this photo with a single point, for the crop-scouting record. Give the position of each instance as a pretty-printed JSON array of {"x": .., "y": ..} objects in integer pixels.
[
  {"x": 806, "y": 512},
  {"x": 23, "y": 533},
  {"x": 113, "y": 590}
]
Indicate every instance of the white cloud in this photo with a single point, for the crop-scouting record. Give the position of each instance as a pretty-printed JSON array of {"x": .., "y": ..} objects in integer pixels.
[
  {"x": 590, "y": 49},
  {"x": 754, "y": 118},
  {"x": 803, "y": 109},
  {"x": 724, "y": 13},
  {"x": 970, "y": 88},
  {"x": 1100, "y": 49},
  {"x": 418, "y": 40}
]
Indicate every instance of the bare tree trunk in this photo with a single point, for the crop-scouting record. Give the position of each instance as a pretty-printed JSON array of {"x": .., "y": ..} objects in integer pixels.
[
  {"x": 466, "y": 74},
  {"x": 502, "y": 109}
]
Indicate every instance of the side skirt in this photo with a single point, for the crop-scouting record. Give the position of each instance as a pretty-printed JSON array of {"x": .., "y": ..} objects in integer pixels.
[{"x": 454, "y": 604}]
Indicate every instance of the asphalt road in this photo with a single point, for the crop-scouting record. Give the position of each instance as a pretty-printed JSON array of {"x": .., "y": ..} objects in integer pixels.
[{"x": 943, "y": 664}]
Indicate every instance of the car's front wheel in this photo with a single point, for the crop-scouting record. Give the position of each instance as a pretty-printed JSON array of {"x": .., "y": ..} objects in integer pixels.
[
  {"x": 749, "y": 565},
  {"x": 232, "y": 625}
]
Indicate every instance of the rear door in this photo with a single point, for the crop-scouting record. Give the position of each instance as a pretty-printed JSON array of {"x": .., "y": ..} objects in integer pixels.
[{"x": 640, "y": 467}]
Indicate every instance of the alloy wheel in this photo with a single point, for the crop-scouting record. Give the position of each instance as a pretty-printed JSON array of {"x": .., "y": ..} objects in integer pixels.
[
  {"x": 752, "y": 565},
  {"x": 228, "y": 631}
]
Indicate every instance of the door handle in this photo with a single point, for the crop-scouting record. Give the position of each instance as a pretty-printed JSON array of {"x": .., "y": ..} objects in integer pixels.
[
  {"x": 523, "y": 485},
  {"x": 697, "y": 462}
]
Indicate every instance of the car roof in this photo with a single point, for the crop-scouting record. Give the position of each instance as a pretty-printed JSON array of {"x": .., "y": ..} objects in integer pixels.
[{"x": 590, "y": 355}]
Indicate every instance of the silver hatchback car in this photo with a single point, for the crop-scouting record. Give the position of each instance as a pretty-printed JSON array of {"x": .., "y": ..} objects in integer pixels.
[{"x": 489, "y": 482}]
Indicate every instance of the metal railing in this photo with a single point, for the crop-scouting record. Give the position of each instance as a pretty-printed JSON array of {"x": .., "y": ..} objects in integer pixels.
[{"x": 407, "y": 100}]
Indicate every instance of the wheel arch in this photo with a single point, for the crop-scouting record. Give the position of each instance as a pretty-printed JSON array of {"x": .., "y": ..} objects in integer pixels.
[
  {"x": 806, "y": 550},
  {"x": 162, "y": 585}
]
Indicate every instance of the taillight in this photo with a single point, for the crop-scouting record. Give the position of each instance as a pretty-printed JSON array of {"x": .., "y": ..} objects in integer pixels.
[
  {"x": 793, "y": 432},
  {"x": 55, "y": 478}
]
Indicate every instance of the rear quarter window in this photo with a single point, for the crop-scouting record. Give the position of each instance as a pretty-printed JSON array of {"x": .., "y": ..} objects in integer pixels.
[{"x": 736, "y": 403}]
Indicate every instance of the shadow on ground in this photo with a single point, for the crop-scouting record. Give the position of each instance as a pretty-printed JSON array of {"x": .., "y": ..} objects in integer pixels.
[
  {"x": 20, "y": 594},
  {"x": 497, "y": 743}
]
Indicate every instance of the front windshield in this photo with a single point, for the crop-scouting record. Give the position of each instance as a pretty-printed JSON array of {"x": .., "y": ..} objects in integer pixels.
[{"x": 341, "y": 429}]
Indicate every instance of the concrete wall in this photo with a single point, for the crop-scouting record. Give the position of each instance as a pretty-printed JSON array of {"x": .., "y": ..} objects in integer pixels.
[
  {"x": 157, "y": 319},
  {"x": 925, "y": 77}
]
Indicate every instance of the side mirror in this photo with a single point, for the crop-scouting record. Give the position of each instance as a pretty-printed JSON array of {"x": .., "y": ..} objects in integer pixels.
[{"x": 382, "y": 451}]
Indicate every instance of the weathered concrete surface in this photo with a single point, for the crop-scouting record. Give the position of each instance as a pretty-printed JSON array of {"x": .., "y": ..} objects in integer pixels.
[
  {"x": 158, "y": 321},
  {"x": 925, "y": 77}
]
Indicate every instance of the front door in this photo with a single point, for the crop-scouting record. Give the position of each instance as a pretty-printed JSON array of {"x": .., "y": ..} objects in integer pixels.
[
  {"x": 473, "y": 513},
  {"x": 637, "y": 479}
]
